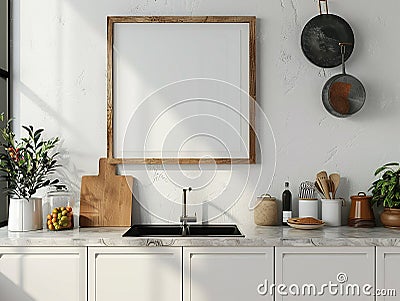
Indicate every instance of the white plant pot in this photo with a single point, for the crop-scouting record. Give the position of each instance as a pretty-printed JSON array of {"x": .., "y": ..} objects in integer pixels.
[{"x": 25, "y": 214}]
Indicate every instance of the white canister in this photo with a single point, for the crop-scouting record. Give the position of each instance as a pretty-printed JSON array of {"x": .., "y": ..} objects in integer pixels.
[
  {"x": 308, "y": 208},
  {"x": 332, "y": 211}
]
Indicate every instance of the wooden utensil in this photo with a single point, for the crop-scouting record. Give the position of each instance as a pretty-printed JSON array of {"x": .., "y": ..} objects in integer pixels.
[
  {"x": 335, "y": 179},
  {"x": 319, "y": 188},
  {"x": 331, "y": 187},
  {"x": 106, "y": 199},
  {"x": 322, "y": 178}
]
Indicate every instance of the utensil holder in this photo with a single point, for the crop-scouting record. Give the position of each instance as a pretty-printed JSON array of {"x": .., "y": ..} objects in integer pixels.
[
  {"x": 308, "y": 208},
  {"x": 332, "y": 211}
]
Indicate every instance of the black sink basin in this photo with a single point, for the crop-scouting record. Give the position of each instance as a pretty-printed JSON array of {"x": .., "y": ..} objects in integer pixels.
[
  {"x": 214, "y": 230},
  {"x": 176, "y": 231}
]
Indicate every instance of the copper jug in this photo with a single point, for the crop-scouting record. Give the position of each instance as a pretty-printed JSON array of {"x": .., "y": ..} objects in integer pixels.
[{"x": 361, "y": 214}]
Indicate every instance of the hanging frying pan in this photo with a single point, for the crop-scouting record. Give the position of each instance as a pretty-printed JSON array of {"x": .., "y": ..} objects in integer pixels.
[
  {"x": 322, "y": 34},
  {"x": 343, "y": 94}
]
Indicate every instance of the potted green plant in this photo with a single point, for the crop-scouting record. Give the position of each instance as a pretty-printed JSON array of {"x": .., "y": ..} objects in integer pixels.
[
  {"x": 386, "y": 193},
  {"x": 26, "y": 165}
]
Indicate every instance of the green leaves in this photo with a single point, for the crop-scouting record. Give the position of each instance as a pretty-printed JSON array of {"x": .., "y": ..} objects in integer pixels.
[
  {"x": 27, "y": 164},
  {"x": 385, "y": 167},
  {"x": 386, "y": 190},
  {"x": 391, "y": 164}
]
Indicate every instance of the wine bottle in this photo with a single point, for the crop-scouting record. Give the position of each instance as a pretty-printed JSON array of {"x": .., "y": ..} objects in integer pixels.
[{"x": 286, "y": 204}]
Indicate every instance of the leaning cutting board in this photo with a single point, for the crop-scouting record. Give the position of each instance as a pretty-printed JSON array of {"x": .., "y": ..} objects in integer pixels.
[{"x": 106, "y": 199}]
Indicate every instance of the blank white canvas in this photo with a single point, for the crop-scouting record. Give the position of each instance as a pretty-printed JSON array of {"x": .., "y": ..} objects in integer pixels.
[{"x": 177, "y": 90}]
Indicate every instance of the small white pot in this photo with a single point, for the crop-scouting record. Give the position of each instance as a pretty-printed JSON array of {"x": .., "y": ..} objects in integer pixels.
[{"x": 25, "y": 214}]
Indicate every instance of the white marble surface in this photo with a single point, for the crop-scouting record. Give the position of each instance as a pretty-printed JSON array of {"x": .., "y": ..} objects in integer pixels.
[{"x": 254, "y": 236}]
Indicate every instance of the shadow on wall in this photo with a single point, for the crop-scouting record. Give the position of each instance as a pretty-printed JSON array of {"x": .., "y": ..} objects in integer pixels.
[
  {"x": 67, "y": 172},
  {"x": 10, "y": 291},
  {"x": 37, "y": 97}
]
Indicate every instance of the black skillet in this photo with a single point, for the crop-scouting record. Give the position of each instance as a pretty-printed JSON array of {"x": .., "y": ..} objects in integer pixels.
[
  {"x": 320, "y": 38},
  {"x": 343, "y": 94}
]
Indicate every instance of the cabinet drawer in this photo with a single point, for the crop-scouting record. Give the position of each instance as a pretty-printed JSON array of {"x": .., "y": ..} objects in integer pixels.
[
  {"x": 387, "y": 271},
  {"x": 43, "y": 273},
  {"x": 218, "y": 274},
  {"x": 309, "y": 271},
  {"x": 128, "y": 273}
]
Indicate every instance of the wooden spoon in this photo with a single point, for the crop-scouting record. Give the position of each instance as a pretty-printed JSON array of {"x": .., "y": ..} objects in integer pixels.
[
  {"x": 322, "y": 178},
  {"x": 335, "y": 179},
  {"x": 319, "y": 188},
  {"x": 331, "y": 188}
]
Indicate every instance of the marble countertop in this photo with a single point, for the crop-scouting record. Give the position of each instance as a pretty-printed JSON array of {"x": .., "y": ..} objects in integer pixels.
[{"x": 255, "y": 236}]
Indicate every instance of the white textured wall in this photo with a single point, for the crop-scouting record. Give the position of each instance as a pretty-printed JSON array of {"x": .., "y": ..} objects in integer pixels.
[{"x": 60, "y": 84}]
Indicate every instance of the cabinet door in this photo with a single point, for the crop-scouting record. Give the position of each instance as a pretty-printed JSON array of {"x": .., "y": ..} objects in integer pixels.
[
  {"x": 325, "y": 273},
  {"x": 387, "y": 272},
  {"x": 42, "y": 274},
  {"x": 129, "y": 273},
  {"x": 231, "y": 274}
]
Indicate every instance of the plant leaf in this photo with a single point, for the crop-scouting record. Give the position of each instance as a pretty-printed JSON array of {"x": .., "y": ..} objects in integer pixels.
[
  {"x": 391, "y": 164},
  {"x": 379, "y": 170}
]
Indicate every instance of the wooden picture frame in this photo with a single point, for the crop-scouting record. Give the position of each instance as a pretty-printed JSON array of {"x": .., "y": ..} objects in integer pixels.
[{"x": 250, "y": 21}]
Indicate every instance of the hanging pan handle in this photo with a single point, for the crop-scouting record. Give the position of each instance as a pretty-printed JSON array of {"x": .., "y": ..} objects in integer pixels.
[
  {"x": 343, "y": 52},
  {"x": 320, "y": 6}
]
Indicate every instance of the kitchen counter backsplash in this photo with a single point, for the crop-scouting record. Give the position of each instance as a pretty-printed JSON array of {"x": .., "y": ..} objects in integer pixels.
[{"x": 255, "y": 236}]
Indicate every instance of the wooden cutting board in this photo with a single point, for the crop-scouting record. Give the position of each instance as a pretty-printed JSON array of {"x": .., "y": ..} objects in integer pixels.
[{"x": 106, "y": 199}]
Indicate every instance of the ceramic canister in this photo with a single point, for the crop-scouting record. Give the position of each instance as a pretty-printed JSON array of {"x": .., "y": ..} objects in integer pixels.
[
  {"x": 361, "y": 214},
  {"x": 308, "y": 208},
  {"x": 332, "y": 211},
  {"x": 266, "y": 211}
]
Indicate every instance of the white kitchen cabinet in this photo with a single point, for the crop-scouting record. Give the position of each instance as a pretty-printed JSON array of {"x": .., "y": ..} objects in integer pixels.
[
  {"x": 42, "y": 273},
  {"x": 135, "y": 273},
  {"x": 387, "y": 272},
  {"x": 226, "y": 274},
  {"x": 301, "y": 269}
]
